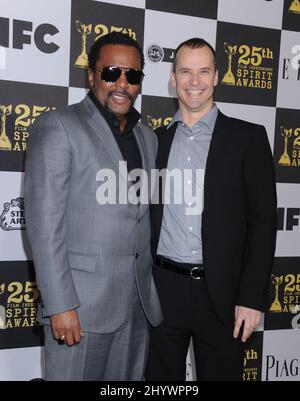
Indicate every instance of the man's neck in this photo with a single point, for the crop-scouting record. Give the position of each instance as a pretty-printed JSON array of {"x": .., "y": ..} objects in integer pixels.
[
  {"x": 122, "y": 121},
  {"x": 190, "y": 118}
]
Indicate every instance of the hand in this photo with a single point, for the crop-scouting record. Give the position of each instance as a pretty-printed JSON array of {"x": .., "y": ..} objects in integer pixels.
[
  {"x": 251, "y": 319},
  {"x": 66, "y": 327}
]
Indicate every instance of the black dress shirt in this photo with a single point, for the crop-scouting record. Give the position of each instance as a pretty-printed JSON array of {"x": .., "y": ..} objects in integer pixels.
[{"x": 125, "y": 140}]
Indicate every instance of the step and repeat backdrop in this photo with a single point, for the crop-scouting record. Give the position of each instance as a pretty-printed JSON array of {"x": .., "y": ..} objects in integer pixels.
[{"x": 43, "y": 64}]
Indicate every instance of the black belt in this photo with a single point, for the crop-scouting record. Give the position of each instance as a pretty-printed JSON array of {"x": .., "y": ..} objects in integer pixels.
[{"x": 194, "y": 270}]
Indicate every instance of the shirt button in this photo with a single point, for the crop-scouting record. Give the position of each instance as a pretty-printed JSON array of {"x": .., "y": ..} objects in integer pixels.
[
  {"x": 189, "y": 159},
  {"x": 189, "y": 182},
  {"x": 192, "y": 138},
  {"x": 194, "y": 252},
  {"x": 137, "y": 255},
  {"x": 191, "y": 228},
  {"x": 139, "y": 220}
]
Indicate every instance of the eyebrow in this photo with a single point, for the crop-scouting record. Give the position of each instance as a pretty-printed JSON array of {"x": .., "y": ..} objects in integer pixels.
[{"x": 200, "y": 69}]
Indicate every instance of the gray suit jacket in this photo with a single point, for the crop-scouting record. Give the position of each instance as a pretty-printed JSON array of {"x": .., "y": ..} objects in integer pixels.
[{"x": 87, "y": 256}]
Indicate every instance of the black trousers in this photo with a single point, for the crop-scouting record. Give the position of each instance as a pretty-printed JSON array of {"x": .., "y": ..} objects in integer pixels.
[{"x": 188, "y": 313}]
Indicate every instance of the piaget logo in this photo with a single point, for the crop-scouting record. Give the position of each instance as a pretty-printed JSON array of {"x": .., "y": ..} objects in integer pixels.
[
  {"x": 289, "y": 301},
  {"x": 295, "y": 7},
  {"x": 100, "y": 30},
  {"x": 26, "y": 116},
  {"x": 250, "y": 71},
  {"x": 13, "y": 215},
  {"x": 154, "y": 122},
  {"x": 291, "y": 154}
]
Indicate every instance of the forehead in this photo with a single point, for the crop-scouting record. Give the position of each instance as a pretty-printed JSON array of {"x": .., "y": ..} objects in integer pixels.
[
  {"x": 200, "y": 57},
  {"x": 119, "y": 55}
]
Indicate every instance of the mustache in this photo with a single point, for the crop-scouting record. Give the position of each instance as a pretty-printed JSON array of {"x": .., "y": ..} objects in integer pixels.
[{"x": 121, "y": 92}]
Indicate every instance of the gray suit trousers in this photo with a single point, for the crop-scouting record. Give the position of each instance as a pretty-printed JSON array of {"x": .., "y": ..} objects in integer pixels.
[{"x": 116, "y": 356}]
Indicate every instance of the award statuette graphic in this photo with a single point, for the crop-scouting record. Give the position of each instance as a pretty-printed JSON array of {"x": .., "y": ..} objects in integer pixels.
[
  {"x": 276, "y": 306},
  {"x": 82, "y": 60},
  {"x": 5, "y": 143},
  {"x": 295, "y": 7},
  {"x": 153, "y": 122},
  {"x": 285, "y": 159},
  {"x": 229, "y": 77},
  {"x": 2, "y": 310}
]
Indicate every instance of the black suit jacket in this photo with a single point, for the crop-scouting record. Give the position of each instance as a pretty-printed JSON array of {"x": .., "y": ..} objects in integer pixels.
[{"x": 239, "y": 219}]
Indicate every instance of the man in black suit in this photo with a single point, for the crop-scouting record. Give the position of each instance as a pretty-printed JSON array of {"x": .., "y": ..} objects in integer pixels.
[{"x": 212, "y": 266}]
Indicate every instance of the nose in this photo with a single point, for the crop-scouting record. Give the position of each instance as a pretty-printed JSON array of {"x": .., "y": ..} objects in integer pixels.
[
  {"x": 196, "y": 78},
  {"x": 122, "y": 81}
]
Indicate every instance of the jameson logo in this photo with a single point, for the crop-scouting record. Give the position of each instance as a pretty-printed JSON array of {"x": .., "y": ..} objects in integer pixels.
[
  {"x": 290, "y": 156},
  {"x": 100, "y": 30},
  {"x": 14, "y": 136},
  {"x": 155, "y": 53},
  {"x": 13, "y": 215},
  {"x": 250, "y": 70},
  {"x": 154, "y": 122},
  {"x": 295, "y": 7}
]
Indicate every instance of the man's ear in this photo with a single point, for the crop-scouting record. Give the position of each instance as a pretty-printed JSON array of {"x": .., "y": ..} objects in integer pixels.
[
  {"x": 173, "y": 79},
  {"x": 91, "y": 77},
  {"x": 216, "y": 78}
]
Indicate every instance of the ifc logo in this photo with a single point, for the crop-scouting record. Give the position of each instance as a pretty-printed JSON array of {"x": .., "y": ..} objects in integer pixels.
[{"x": 155, "y": 53}]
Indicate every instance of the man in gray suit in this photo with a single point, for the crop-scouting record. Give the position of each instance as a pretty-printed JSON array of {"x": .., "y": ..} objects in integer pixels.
[{"x": 92, "y": 259}]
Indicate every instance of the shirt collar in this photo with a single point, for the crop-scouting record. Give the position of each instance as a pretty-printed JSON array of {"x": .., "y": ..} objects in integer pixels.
[
  {"x": 209, "y": 119},
  {"x": 132, "y": 117}
]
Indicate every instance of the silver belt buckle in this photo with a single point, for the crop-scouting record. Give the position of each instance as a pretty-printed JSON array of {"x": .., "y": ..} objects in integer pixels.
[{"x": 195, "y": 269}]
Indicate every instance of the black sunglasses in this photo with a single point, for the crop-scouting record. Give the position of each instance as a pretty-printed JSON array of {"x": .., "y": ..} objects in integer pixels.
[{"x": 112, "y": 74}]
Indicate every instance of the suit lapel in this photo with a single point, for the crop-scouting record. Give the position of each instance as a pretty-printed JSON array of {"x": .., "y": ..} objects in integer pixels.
[
  {"x": 165, "y": 140},
  {"x": 103, "y": 132},
  {"x": 215, "y": 146},
  {"x": 145, "y": 165},
  {"x": 212, "y": 170}
]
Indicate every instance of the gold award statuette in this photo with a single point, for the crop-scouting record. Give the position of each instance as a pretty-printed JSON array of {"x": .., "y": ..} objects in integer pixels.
[
  {"x": 285, "y": 159},
  {"x": 276, "y": 306},
  {"x": 5, "y": 143},
  {"x": 82, "y": 60},
  {"x": 153, "y": 122},
  {"x": 295, "y": 7},
  {"x": 229, "y": 77}
]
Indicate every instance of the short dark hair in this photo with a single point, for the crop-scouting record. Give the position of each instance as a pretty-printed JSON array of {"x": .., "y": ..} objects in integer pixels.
[
  {"x": 113, "y": 38},
  {"x": 194, "y": 43}
]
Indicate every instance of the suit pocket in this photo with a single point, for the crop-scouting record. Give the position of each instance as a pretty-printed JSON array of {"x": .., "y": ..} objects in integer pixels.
[{"x": 83, "y": 262}]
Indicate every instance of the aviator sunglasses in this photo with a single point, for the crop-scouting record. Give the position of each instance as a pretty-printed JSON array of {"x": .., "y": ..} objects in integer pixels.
[{"x": 112, "y": 74}]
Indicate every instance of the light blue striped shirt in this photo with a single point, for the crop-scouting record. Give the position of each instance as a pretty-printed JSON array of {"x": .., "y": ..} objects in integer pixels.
[{"x": 180, "y": 237}]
